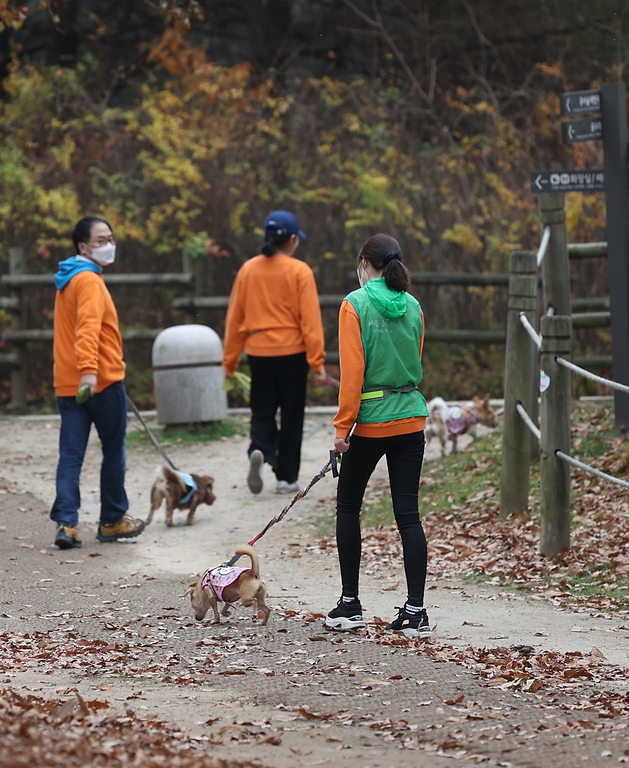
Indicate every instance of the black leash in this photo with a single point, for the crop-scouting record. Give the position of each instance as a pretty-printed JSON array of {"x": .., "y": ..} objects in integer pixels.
[{"x": 151, "y": 436}]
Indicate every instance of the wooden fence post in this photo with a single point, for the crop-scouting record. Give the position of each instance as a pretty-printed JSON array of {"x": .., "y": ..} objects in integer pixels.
[
  {"x": 556, "y": 263},
  {"x": 555, "y": 435},
  {"x": 192, "y": 267},
  {"x": 18, "y": 323},
  {"x": 520, "y": 384}
]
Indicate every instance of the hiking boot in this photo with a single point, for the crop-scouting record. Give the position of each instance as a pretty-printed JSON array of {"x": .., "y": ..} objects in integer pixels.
[
  {"x": 126, "y": 528},
  {"x": 67, "y": 537},
  {"x": 283, "y": 486},
  {"x": 254, "y": 479},
  {"x": 411, "y": 624},
  {"x": 346, "y": 616}
]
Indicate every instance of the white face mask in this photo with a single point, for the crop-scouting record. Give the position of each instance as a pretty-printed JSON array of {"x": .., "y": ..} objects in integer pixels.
[
  {"x": 359, "y": 275},
  {"x": 104, "y": 255},
  {"x": 296, "y": 244}
]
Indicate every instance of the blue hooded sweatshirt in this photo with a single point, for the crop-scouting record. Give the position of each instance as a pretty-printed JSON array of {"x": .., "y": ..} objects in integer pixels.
[{"x": 71, "y": 267}]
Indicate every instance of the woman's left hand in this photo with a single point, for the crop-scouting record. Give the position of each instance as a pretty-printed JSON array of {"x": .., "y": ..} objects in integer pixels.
[{"x": 341, "y": 445}]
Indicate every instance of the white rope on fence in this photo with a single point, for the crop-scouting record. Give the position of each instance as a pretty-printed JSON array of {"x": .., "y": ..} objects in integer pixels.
[
  {"x": 537, "y": 339},
  {"x": 527, "y": 420},
  {"x": 591, "y": 376},
  {"x": 587, "y": 468},
  {"x": 543, "y": 246},
  {"x": 564, "y": 456}
]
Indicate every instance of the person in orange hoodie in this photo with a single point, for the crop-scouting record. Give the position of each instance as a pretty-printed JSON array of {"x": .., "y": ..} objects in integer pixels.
[
  {"x": 381, "y": 413},
  {"x": 274, "y": 315},
  {"x": 88, "y": 354}
]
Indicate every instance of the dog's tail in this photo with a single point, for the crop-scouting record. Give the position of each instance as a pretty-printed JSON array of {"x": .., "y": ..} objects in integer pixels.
[
  {"x": 438, "y": 409},
  {"x": 170, "y": 474},
  {"x": 248, "y": 550}
]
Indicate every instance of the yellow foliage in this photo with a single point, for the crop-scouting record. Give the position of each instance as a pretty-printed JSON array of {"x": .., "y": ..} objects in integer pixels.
[{"x": 463, "y": 235}]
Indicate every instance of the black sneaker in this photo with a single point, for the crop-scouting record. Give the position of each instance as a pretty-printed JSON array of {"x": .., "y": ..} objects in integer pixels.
[
  {"x": 346, "y": 616},
  {"x": 411, "y": 624}
]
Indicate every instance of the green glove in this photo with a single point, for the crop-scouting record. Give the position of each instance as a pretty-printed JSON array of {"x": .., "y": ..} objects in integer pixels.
[
  {"x": 84, "y": 394},
  {"x": 239, "y": 383}
]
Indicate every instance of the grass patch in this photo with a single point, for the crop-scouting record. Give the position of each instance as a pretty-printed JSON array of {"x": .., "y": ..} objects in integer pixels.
[
  {"x": 448, "y": 484},
  {"x": 190, "y": 435}
]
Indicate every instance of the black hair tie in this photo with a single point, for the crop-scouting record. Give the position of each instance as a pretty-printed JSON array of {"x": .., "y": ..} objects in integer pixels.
[{"x": 390, "y": 256}]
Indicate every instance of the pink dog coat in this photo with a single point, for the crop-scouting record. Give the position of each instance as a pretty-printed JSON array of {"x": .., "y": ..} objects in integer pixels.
[
  {"x": 220, "y": 578},
  {"x": 460, "y": 419}
]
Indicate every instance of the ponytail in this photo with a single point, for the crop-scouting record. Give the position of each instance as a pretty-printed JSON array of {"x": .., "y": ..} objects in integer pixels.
[
  {"x": 384, "y": 254},
  {"x": 272, "y": 240}
]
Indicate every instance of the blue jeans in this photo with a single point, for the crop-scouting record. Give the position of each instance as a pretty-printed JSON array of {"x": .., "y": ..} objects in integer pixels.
[{"x": 107, "y": 410}]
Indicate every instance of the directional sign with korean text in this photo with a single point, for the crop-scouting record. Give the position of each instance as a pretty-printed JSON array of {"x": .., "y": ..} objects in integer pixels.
[
  {"x": 568, "y": 181},
  {"x": 580, "y": 103},
  {"x": 589, "y": 129}
]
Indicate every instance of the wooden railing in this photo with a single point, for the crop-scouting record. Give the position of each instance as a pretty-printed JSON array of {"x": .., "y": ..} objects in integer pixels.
[{"x": 591, "y": 313}]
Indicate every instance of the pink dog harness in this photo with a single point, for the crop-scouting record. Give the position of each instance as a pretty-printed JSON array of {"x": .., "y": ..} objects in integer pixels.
[
  {"x": 220, "y": 578},
  {"x": 460, "y": 419}
]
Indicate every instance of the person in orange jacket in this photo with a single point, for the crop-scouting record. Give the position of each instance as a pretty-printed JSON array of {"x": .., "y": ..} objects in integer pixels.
[
  {"x": 88, "y": 353},
  {"x": 274, "y": 315}
]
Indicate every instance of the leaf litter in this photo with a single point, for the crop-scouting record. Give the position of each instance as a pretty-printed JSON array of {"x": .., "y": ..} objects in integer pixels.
[
  {"x": 77, "y": 733},
  {"x": 472, "y": 538}
]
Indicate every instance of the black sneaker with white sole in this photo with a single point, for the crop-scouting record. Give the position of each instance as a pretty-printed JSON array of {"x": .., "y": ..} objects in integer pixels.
[
  {"x": 346, "y": 616},
  {"x": 411, "y": 624}
]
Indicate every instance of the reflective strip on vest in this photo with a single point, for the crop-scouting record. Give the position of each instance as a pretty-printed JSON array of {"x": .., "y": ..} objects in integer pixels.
[{"x": 381, "y": 394}]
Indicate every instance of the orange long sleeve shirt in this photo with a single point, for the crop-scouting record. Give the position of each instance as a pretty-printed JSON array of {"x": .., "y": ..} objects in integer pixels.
[
  {"x": 87, "y": 339},
  {"x": 352, "y": 360},
  {"x": 273, "y": 311}
]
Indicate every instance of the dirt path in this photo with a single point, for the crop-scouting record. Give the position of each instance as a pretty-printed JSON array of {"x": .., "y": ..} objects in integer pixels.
[{"x": 257, "y": 670}]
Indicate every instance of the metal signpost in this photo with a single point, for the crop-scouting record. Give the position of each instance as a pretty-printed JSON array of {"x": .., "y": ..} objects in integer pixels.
[
  {"x": 614, "y": 110},
  {"x": 613, "y": 179}
]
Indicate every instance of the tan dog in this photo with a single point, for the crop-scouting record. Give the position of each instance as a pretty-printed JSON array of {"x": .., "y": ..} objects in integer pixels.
[
  {"x": 449, "y": 422},
  {"x": 227, "y": 584},
  {"x": 170, "y": 486}
]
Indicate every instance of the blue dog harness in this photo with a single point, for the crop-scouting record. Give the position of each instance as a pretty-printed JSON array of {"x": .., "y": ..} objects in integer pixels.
[{"x": 190, "y": 485}]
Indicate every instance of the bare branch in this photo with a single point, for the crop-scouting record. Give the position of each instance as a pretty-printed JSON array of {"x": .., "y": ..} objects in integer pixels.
[
  {"x": 470, "y": 12},
  {"x": 391, "y": 43},
  {"x": 433, "y": 80}
]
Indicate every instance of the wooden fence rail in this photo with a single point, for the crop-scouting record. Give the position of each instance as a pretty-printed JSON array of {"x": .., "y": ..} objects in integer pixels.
[
  {"x": 590, "y": 313},
  {"x": 163, "y": 278}
]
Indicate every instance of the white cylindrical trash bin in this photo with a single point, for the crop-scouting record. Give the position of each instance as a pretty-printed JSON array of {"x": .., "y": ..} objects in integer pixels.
[{"x": 188, "y": 375}]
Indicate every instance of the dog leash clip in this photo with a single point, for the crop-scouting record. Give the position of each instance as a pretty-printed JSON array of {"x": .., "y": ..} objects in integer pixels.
[{"x": 334, "y": 459}]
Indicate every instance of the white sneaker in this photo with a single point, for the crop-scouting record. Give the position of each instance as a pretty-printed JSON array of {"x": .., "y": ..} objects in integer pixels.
[
  {"x": 254, "y": 478},
  {"x": 283, "y": 486}
]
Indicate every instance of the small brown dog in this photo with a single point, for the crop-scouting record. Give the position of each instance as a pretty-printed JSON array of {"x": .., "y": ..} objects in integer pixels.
[
  {"x": 227, "y": 584},
  {"x": 171, "y": 486}
]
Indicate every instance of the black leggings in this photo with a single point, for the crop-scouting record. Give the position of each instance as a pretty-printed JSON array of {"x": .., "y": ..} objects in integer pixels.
[{"x": 405, "y": 454}]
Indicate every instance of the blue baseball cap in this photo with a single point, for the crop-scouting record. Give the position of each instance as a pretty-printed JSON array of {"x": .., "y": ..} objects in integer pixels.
[{"x": 284, "y": 223}]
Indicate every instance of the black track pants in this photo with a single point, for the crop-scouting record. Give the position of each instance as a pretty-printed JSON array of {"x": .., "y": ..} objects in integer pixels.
[
  {"x": 405, "y": 454},
  {"x": 278, "y": 382}
]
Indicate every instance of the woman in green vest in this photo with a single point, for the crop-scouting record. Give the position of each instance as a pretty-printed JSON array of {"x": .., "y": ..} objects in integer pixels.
[{"x": 381, "y": 334}]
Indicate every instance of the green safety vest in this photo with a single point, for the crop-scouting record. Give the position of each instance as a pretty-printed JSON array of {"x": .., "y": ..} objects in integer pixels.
[{"x": 393, "y": 368}]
